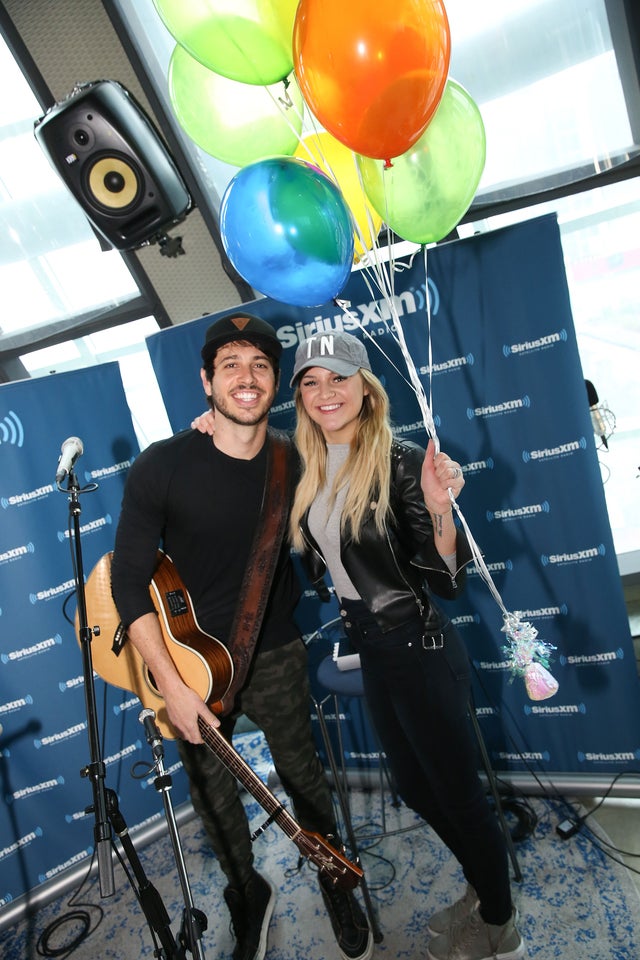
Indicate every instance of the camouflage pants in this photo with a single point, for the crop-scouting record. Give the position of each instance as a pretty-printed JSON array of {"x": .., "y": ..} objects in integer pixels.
[{"x": 277, "y": 699}]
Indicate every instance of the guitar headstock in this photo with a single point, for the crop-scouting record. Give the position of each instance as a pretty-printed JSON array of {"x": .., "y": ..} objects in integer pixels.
[{"x": 331, "y": 862}]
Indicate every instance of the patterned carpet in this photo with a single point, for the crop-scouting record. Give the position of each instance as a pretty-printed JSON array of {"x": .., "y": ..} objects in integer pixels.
[{"x": 574, "y": 901}]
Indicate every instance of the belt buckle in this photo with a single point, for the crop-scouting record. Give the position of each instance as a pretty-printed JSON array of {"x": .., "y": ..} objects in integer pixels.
[{"x": 434, "y": 641}]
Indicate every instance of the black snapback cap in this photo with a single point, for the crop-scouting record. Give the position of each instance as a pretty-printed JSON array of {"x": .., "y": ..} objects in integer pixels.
[{"x": 240, "y": 326}]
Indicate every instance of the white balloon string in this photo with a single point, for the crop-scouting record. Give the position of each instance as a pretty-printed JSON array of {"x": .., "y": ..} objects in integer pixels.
[{"x": 385, "y": 282}]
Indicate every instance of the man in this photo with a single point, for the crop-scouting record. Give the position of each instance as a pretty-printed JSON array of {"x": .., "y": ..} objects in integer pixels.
[{"x": 199, "y": 498}]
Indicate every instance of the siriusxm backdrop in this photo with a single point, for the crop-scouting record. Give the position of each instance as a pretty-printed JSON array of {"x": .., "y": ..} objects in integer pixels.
[{"x": 510, "y": 404}]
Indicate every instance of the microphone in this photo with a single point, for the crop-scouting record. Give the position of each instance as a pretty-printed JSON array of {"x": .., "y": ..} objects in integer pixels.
[
  {"x": 597, "y": 420},
  {"x": 71, "y": 450},
  {"x": 147, "y": 718}
]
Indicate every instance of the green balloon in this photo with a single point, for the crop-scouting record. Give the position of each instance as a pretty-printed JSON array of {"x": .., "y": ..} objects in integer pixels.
[
  {"x": 425, "y": 192},
  {"x": 245, "y": 40},
  {"x": 235, "y": 122}
]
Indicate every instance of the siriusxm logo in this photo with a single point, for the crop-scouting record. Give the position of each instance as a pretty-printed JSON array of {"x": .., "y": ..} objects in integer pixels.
[
  {"x": 52, "y": 592},
  {"x": 491, "y": 665},
  {"x": 372, "y": 315},
  {"x": 63, "y": 735},
  {"x": 455, "y": 363},
  {"x": 92, "y": 527},
  {"x": 20, "y": 843},
  {"x": 31, "y": 651},
  {"x": 579, "y": 556},
  {"x": 541, "y": 343},
  {"x": 72, "y": 684},
  {"x": 500, "y": 566},
  {"x": 45, "y": 787},
  {"x": 151, "y": 780},
  {"x": 126, "y": 705},
  {"x": 540, "y": 613},
  {"x": 288, "y": 405},
  {"x": 562, "y": 710},
  {"x": 476, "y": 466},
  {"x": 416, "y": 427},
  {"x": 28, "y": 496},
  {"x": 518, "y": 513},
  {"x": 624, "y": 756},
  {"x": 587, "y": 659},
  {"x": 11, "y": 429},
  {"x": 465, "y": 620},
  {"x": 486, "y": 712},
  {"x": 121, "y": 754},
  {"x": 553, "y": 453},
  {"x": 76, "y": 858},
  {"x": 111, "y": 471},
  {"x": 17, "y": 553},
  {"x": 544, "y": 756},
  {"x": 13, "y": 705},
  {"x": 499, "y": 409}
]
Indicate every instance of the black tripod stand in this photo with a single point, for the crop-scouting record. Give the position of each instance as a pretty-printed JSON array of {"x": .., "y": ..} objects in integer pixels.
[{"x": 105, "y": 804}]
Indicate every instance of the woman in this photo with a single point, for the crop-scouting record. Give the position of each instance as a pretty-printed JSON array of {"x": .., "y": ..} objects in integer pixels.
[{"x": 376, "y": 515}]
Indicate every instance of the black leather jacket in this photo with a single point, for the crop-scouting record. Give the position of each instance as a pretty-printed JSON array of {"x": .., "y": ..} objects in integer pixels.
[{"x": 395, "y": 573}]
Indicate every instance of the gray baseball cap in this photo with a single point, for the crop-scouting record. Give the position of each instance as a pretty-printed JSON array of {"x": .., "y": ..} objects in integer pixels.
[{"x": 339, "y": 352}]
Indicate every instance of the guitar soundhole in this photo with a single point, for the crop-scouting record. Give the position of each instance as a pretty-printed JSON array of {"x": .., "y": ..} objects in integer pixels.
[
  {"x": 176, "y": 603},
  {"x": 151, "y": 682}
]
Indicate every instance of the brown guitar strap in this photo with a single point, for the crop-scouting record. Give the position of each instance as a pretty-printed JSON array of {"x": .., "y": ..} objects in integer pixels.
[{"x": 261, "y": 565}]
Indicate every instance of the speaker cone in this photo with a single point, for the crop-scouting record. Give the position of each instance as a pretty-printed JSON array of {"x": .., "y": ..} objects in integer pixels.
[{"x": 113, "y": 183}]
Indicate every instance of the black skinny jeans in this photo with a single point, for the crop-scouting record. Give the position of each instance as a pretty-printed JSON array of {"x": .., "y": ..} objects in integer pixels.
[{"x": 418, "y": 699}]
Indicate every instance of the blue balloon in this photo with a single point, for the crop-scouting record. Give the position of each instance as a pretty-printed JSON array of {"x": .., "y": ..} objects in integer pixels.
[{"x": 287, "y": 230}]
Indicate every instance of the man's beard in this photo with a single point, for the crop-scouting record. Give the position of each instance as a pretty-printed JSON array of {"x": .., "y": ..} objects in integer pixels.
[{"x": 249, "y": 418}]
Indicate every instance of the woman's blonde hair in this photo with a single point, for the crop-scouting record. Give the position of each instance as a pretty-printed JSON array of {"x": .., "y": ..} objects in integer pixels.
[{"x": 366, "y": 471}]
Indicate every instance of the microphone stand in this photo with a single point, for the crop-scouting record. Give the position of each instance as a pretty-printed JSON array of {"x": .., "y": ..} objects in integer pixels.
[
  {"x": 105, "y": 801},
  {"x": 194, "y": 922},
  {"x": 95, "y": 770}
]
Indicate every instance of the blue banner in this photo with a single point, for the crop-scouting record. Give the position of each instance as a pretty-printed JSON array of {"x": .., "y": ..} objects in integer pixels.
[
  {"x": 44, "y": 743},
  {"x": 510, "y": 404}
]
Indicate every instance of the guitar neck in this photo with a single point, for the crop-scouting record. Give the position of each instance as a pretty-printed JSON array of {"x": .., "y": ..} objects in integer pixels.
[{"x": 243, "y": 772}]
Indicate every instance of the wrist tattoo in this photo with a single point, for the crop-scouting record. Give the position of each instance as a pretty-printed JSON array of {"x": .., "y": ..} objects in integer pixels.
[{"x": 438, "y": 521}]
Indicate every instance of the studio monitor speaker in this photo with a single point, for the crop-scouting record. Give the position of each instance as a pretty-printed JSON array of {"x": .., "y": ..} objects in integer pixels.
[{"x": 110, "y": 156}]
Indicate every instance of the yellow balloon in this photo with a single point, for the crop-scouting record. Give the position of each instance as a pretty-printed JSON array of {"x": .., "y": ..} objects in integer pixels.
[{"x": 339, "y": 163}]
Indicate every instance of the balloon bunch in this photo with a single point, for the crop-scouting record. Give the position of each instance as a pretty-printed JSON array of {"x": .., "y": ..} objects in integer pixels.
[
  {"x": 345, "y": 109},
  {"x": 393, "y": 140}
]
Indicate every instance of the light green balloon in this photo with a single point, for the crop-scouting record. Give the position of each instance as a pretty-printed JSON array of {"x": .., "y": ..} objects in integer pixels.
[
  {"x": 238, "y": 123},
  {"x": 425, "y": 193},
  {"x": 245, "y": 40}
]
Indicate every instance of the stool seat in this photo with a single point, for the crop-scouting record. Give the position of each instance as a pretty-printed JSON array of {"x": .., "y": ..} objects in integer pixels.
[{"x": 346, "y": 683}]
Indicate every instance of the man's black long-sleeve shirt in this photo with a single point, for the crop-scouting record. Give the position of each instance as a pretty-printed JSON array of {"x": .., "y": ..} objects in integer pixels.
[{"x": 202, "y": 508}]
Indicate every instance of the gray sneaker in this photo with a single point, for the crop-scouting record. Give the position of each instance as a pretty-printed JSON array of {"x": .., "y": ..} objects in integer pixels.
[
  {"x": 442, "y": 921},
  {"x": 473, "y": 939}
]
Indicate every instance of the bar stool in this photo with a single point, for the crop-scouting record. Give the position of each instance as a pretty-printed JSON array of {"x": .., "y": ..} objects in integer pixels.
[{"x": 347, "y": 683}]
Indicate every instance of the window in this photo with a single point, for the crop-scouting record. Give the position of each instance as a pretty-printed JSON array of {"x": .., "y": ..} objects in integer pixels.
[{"x": 56, "y": 279}]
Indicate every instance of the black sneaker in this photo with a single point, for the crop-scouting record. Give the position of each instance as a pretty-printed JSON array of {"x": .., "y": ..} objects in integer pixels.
[
  {"x": 355, "y": 940},
  {"x": 251, "y": 910}
]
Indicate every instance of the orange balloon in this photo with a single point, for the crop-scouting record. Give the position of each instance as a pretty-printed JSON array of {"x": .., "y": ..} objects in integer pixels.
[{"x": 372, "y": 73}]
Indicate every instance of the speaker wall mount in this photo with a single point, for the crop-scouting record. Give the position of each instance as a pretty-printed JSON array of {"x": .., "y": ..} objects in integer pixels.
[{"x": 108, "y": 153}]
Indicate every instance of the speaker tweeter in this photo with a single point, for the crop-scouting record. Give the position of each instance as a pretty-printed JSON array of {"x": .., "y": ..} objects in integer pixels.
[{"x": 110, "y": 156}]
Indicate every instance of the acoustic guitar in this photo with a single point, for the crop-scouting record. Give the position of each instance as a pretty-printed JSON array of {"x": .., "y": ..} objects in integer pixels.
[
  {"x": 203, "y": 662},
  {"x": 206, "y": 665}
]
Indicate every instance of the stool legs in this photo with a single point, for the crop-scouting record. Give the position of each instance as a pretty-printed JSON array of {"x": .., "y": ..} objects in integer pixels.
[
  {"x": 493, "y": 786},
  {"x": 341, "y": 788}
]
